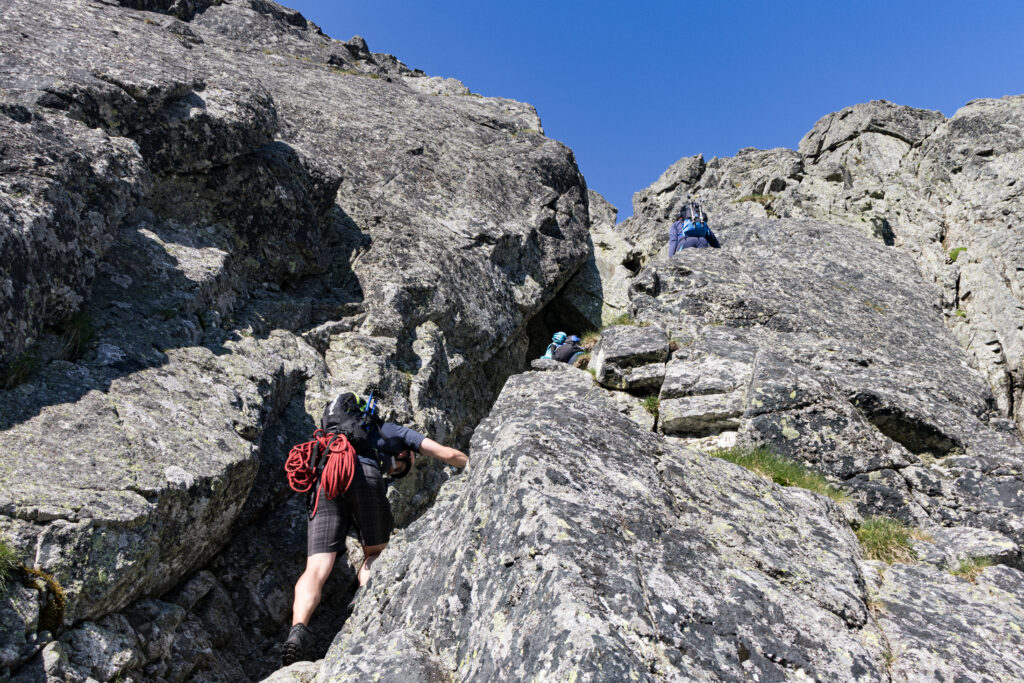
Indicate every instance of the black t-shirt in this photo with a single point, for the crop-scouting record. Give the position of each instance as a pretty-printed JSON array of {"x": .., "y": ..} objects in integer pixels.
[{"x": 390, "y": 440}]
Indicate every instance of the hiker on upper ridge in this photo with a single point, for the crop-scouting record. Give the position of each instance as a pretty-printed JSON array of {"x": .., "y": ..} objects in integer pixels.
[
  {"x": 349, "y": 492},
  {"x": 557, "y": 339},
  {"x": 690, "y": 230},
  {"x": 569, "y": 351}
]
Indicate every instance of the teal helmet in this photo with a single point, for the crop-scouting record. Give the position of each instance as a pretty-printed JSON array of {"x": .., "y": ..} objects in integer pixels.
[{"x": 558, "y": 337}]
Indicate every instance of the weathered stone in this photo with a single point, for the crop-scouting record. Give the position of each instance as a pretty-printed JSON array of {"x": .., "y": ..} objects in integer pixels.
[
  {"x": 19, "y": 620},
  {"x": 906, "y": 124},
  {"x": 658, "y": 561},
  {"x": 795, "y": 346},
  {"x": 936, "y": 626},
  {"x": 622, "y": 354},
  {"x": 599, "y": 292},
  {"x": 947, "y": 548}
]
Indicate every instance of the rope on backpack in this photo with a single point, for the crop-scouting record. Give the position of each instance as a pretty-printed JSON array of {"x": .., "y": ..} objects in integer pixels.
[{"x": 303, "y": 467}]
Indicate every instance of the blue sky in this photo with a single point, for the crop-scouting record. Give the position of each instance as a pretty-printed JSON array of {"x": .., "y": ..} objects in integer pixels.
[{"x": 632, "y": 87}]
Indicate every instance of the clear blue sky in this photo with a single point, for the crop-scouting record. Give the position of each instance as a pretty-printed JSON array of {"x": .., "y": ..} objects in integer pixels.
[{"x": 632, "y": 87}]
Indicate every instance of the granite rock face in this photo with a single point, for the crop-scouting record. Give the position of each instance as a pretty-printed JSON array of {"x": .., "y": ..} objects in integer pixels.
[
  {"x": 213, "y": 217},
  {"x": 617, "y": 553},
  {"x": 599, "y": 292},
  {"x": 786, "y": 340},
  {"x": 944, "y": 190}
]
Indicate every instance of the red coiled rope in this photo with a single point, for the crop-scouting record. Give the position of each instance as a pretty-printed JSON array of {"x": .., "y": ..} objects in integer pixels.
[{"x": 303, "y": 462}]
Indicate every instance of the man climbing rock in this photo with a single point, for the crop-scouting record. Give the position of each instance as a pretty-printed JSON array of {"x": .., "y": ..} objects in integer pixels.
[
  {"x": 382, "y": 449},
  {"x": 569, "y": 350},
  {"x": 690, "y": 230}
]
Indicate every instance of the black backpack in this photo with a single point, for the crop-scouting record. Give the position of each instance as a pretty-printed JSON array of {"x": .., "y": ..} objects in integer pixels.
[{"x": 345, "y": 415}]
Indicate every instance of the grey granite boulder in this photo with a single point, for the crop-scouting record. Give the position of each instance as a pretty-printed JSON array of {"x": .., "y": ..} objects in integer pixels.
[
  {"x": 630, "y": 357},
  {"x": 936, "y": 626},
  {"x": 943, "y": 190},
  {"x": 611, "y": 552}
]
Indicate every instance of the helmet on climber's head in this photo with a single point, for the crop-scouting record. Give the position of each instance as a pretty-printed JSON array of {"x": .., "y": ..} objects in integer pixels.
[
  {"x": 402, "y": 464},
  {"x": 558, "y": 337}
]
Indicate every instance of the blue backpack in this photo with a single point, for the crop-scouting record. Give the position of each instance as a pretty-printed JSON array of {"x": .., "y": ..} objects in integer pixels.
[
  {"x": 695, "y": 228},
  {"x": 695, "y": 221}
]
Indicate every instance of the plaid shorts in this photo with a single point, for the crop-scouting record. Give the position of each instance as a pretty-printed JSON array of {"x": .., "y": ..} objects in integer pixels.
[{"x": 363, "y": 506}]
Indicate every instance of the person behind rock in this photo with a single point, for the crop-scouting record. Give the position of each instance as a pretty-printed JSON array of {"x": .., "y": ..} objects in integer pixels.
[
  {"x": 678, "y": 239},
  {"x": 363, "y": 506},
  {"x": 569, "y": 351},
  {"x": 557, "y": 339}
]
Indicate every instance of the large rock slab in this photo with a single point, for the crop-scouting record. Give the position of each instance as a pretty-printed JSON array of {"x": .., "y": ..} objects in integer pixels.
[
  {"x": 616, "y": 553},
  {"x": 630, "y": 357}
]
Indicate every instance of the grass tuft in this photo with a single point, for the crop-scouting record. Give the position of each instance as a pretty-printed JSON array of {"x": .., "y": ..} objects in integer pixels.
[
  {"x": 76, "y": 333},
  {"x": 8, "y": 565},
  {"x": 621, "y": 319},
  {"x": 782, "y": 471},
  {"x": 954, "y": 254},
  {"x": 970, "y": 569},
  {"x": 652, "y": 404},
  {"x": 886, "y": 539},
  {"x": 19, "y": 370},
  {"x": 589, "y": 338}
]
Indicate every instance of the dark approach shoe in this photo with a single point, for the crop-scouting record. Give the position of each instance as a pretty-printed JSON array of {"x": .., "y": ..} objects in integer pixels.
[{"x": 296, "y": 648}]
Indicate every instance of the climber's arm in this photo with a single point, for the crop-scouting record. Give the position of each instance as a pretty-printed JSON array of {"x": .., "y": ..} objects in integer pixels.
[{"x": 445, "y": 454}]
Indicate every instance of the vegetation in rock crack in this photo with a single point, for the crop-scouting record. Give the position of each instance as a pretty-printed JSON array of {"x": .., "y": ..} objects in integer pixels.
[
  {"x": 886, "y": 539},
  {"x": 954, "y": 254},
  {"x": 621, "y": 319},
  {"x": 971, "y": 568},
  {"x": 781, "y": 470},
  {"x": 8, "y": 565},
  {"x": 651, "y": 404},
  {"x": 18, "y": 370},
  {"x": 589, "y": 338},
  {"x": 51, "y": 617},
  {"x": 76, "y": 332},
  {"x": 961, "y": 313},
  {"x": 582, "y": 361}
]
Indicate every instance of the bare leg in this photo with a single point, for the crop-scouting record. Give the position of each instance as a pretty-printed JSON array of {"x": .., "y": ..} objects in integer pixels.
[
  {"x": 308, "y": 587},
  {"x": 370, "y": 553}
]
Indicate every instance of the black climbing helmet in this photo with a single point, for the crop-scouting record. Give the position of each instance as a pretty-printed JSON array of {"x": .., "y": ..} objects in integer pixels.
[{"x": 406, "y": 457}]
